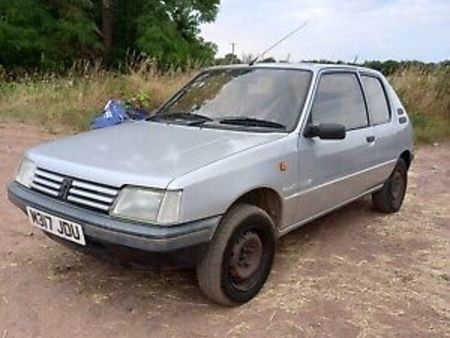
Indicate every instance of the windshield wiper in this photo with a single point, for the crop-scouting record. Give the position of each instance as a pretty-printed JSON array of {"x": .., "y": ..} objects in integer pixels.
[
  {"x": 252, "y": 122},
  {"x": 192, "y": 118}
]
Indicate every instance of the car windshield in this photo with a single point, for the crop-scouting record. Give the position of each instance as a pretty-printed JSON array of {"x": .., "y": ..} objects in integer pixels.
[{"x": 249, "y": 97}]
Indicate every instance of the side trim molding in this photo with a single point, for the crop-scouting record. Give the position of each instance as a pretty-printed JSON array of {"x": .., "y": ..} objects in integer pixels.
[
  {"x": 290, "y": 228},
  {"x": 323, "y": 185}
]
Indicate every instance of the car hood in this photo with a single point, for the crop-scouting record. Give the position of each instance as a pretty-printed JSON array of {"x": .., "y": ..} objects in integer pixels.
[{"x": 142, "y": 153}]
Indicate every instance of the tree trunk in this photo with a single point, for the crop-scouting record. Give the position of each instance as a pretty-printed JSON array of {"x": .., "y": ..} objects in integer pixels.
[{"x": 107, "y": 24}]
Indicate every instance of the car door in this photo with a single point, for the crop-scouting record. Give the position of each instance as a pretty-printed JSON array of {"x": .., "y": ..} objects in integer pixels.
[
  {"x": 382, "y": 127},
  {"x": 333, "y": 172}
]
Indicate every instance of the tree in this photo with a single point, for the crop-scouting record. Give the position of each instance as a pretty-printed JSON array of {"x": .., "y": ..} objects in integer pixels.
[
  {"x": 45, "y": 33},
  {"x": 269, "y": 59},
  {"x": 228, "y": 59},
  {"x": 55, "y": 33},
  {"x": 169, "y": 31}
]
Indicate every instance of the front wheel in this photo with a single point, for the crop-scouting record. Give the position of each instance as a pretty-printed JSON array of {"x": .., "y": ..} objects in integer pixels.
[
  {"x": 390, "y": 198},
  {"x": 240, "y": 256}
]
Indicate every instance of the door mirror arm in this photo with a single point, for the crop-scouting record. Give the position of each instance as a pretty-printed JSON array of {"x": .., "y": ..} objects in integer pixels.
[{"x": 311, "y": 131}]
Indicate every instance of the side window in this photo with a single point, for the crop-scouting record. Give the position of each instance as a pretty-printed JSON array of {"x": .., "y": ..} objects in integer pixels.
[
  {"x": 376, "y": 99},
  {"x": 339, "y": 100}
]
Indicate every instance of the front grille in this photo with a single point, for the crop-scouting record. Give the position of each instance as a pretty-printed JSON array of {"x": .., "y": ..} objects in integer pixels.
[
  {"x": 92, "y": 195},
  {"x": 47, "y": 182},
  {"x": 74, "y": 190}
]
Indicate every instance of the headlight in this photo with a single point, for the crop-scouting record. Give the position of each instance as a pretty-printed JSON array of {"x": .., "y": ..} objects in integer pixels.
[
  {"x": 25, "y": 172},
  {"x": 148, "y": 205}
]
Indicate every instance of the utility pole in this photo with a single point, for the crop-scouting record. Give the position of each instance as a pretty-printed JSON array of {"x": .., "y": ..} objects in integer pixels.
[{"x": 233, "y": 45}]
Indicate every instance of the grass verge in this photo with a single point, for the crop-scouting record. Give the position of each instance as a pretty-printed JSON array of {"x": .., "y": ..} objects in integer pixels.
[
  {"x": 69, "y": 103},
  {"x": 426, "y": 96}
]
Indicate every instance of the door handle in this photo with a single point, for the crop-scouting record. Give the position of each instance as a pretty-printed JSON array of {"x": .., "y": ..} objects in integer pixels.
[{"x": 370, "y": 139}]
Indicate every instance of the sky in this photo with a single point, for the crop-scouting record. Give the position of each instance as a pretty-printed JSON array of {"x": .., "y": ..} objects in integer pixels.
[{"x": 336, "y": 29}]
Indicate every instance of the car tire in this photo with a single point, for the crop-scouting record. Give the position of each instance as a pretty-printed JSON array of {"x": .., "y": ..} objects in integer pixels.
[
  {"x": 389, "y": 199},
  {"x": 239, "y": 257}
]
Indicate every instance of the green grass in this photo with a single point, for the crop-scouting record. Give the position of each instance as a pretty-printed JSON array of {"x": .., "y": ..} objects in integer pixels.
[{"x": 69, "y": 103}]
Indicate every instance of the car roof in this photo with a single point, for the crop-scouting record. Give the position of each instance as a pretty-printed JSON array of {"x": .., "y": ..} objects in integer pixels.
[{"x": 311, "y": 66}]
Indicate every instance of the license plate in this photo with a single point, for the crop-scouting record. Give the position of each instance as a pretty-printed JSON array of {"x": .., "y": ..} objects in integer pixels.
[{"x": 56, "y": 226}]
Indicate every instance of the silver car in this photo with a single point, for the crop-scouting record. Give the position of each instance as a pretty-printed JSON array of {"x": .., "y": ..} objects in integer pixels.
[{"x": 239, "y": 157}]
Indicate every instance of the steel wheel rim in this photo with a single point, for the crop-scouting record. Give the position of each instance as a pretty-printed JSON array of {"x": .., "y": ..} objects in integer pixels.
[
  {"x": 245, "y": 261},
  {"x": 397, "y": 186}
]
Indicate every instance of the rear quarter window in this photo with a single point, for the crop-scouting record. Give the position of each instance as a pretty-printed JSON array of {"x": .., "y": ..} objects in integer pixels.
[{"x": 376, "y": 99}]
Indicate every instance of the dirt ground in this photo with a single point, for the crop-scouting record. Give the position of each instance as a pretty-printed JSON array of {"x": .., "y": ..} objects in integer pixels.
[{"x": 353, "y": 273}]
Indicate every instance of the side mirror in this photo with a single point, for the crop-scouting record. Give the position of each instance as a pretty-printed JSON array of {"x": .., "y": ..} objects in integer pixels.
[{"x": 326, "y": 131}]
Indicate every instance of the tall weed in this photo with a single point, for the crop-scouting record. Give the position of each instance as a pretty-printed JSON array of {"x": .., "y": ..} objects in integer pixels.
[{"x": 68, "y": 103}]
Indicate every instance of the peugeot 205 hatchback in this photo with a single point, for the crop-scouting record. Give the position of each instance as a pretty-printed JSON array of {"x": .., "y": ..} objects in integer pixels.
[{"x": 237, "y": 158}]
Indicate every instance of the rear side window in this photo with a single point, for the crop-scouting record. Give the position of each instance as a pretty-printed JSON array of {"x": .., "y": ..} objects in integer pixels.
[
  {"x": 339, "y": 100},
  {"x": 376, "y": 100}
]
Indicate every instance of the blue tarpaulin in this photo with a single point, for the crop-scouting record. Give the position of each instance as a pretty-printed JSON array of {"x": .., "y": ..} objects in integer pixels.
[{"x": 116, "y": 112}]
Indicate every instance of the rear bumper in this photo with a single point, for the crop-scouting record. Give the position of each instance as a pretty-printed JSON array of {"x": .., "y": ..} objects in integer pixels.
[{"x": 102, "y": 228}]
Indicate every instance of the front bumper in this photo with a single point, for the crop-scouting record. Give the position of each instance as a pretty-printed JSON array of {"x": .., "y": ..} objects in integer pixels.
[{"x": 105, "y": 229}]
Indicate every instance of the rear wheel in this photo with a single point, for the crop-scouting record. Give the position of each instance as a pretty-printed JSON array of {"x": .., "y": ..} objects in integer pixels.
[
  {"x": 390, "y": 198},
  {"x": 240, "y": 256}
]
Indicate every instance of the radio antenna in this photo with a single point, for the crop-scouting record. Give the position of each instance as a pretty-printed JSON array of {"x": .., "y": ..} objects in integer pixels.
[{"x": 277, "y": 43}]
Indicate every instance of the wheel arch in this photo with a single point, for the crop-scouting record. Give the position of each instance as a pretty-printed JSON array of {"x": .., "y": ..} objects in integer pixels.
[
  {"x": 407, "y": 157},
  {"x": 265, "y": 198}
]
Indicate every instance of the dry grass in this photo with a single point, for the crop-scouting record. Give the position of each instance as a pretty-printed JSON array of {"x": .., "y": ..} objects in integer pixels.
[
  {"x": 426, "y": 95},
  {"x": 69, "y": 103}
]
